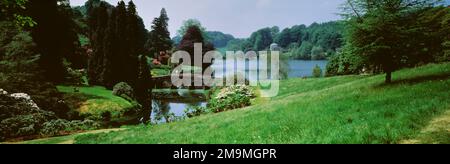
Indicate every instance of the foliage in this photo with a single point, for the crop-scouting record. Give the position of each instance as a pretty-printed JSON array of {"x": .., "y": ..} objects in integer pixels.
[
  {"x": 60, "y": 126},
  {"x": 317, "y": 71},
  {"x": 346, "y": 63},
  {"x": 195, "y": 111},
  {"x": 297, "y": 42},
  {"x": 75, "y": 77},
  {"x": 300, "y": 41},
  {"x": 260, "y": 39},
  {"x": 144, "y": 87},
  {"x": 375, "y": 27},
  {"x": 21, "y": 72},
  {"x": 231, "y": 98},
  {"x": 54, "y": 35},
  {"x": 194, "y": 35},
  {"x": 13, "y": 10},
  {"x": 118, "y": 36},
  {"x": 20, "y": 117},
  {"x": 224, "y": 99},
  {"x": 235, "y": 44},
  {"x": 317, "y": 53},
  {"x": 219, "y": 39},
  {"x": 124, "y": 90},
  {"x": 159, "y": 37},
  {"x": 188, "y": 24}
]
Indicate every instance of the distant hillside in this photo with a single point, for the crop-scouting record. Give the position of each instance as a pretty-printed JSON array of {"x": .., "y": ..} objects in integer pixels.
[{"x": 317, "y": 41}]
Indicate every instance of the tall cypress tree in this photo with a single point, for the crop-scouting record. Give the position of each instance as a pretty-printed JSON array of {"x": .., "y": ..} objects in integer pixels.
[
  {"x": 109, "y": 45},
  {"x": 121, "y": 51},
  {"x": 143, "y": 88},
  {"x": 98, "y": 22},
  {"x": 118, "y": 36}
]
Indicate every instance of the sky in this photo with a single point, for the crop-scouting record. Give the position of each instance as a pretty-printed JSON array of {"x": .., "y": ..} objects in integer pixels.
[{"x": 237, "y": 17}]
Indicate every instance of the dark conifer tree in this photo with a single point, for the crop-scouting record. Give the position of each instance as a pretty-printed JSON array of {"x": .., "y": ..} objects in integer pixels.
[
  {"x": 54, "y": 35},
  {"x": 98, "y": 22},
  {"x": 143, "y": 88},
  {"x": 159, "y": 37}
]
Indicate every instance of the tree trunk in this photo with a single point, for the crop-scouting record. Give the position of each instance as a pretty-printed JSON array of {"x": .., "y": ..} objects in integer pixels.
[{"x": 388, "y": 77}]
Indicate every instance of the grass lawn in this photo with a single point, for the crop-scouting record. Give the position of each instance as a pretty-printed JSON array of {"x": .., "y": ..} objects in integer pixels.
[
  {"x": 348, "y": 109},
  {"x": 94, "y": 100},
  {"x": 160, "y": 72}
]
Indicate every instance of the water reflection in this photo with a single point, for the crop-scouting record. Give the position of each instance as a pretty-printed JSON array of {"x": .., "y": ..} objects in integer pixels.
[{"x": 170, "y": 110}]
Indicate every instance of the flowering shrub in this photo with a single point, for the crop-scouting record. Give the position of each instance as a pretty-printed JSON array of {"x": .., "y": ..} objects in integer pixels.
[
  {"x": 20, "y": 116},
  {"x": 232, "y": 101},
  {"x": 227, "y": 98},
  {"x": 235, "y": 90}
]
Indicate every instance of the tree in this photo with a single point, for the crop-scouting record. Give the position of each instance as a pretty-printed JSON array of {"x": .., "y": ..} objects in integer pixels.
[
  {"x": 317, "y": 71},
  {"x": 219, "y": 39},
  {"x": 261, "y": 39},
  {"x": 284, "y": 38},
  {"x": 189, "y": 23},
  {"x": 98, "y": 23},
  {"x": 317, "y": 53},
  {"x": 118, "y": 36},
  {"x": 143, "y": 88},
  {"x": 54, "y": 35},
  {"x": 194, "y": 35},
  {"x": 159, "y": 37},
  {"x": 136, "y": 36},
  {"x": 14, "y": 10},
  {"x": 305, "y": 50},
  {"x": 379, "y": 30}
]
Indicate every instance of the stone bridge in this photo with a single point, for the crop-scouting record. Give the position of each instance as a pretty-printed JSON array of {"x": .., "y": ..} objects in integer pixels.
[{"x": 165, "y": 82}]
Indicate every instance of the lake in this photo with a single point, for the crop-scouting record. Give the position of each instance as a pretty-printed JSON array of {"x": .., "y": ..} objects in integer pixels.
[
  {"x": 304, "y": 68},
  {"x": 163, "y": 107},
  {"x": 297, "y": 68}
]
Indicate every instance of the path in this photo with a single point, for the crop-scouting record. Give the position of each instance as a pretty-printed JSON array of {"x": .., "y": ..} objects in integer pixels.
[
  {"x": 69, "y": 139},
  {"x": 436, "y": 132}
]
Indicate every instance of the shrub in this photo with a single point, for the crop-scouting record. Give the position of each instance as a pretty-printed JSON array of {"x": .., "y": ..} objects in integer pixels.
[
  {"x": 235, "y": 90},
  {"x": 76, "y": 77},
  {"x": 231, "y": 98},
  {"x": 124, "y": 90},
  {"x": 195, "y": 111},
  {"x": 233, "y": 101},
  {"x": 20, "y": 117},
  {"x": 317, "y": 71},
  {"x": 60, "y": 126},
  {"x": 224, "y": 99},
  {"x": 20, "y": 71}
]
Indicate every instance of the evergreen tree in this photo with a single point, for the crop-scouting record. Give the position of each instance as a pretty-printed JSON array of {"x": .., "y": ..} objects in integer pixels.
[
  {"x": 380, "y": 31},
  {"x": 159, "y": 37},
  {"x": 117, "y": 36},
  {"x": 54, "y": 35},
  {"x": 98, "y": 23},
  {"x": 143, "y": 88}
]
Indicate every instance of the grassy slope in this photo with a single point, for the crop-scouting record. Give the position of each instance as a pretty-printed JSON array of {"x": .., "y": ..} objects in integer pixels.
[
  {"x": 350, "y": 109},
  {"x": 94, "y": 100}
]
